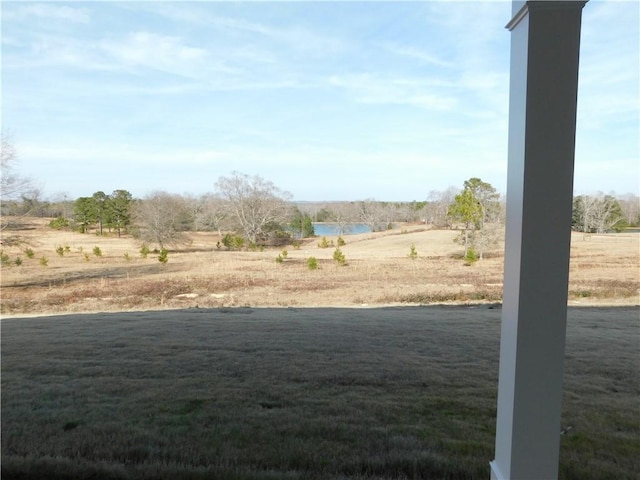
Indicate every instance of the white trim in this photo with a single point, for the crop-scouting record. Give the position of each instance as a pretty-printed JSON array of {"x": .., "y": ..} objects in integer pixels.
[{"x": 496, "y": 474}]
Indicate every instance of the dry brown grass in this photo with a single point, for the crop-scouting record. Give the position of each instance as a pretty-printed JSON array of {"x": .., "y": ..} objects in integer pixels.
[{"x": 604, "y": 270}]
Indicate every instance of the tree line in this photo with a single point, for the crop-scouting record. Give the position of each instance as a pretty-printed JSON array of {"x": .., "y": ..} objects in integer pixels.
[{"x": 258, "y": 211}]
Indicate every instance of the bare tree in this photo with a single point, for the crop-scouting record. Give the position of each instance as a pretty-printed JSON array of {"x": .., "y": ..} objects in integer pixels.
[
  {"x": 437, "y": 208},
  {"x": 160, "y": 218},
  {"x": 343, "y": 214},
  {"x": 630, "y": 205},
  {"x": 213, "y": 212},
  {"x": 254, "y": 202},
  {"x": 597, "y": 213},
  {"x": 13, "y": 187},
  {"x": 372, "y": 214}
]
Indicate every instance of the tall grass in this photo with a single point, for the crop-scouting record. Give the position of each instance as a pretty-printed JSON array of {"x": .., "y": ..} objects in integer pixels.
[{"x": 297, "y": 393}]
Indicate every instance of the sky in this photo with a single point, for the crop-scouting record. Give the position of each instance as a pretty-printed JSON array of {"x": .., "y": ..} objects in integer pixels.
[{"x": 328, "y": 100}]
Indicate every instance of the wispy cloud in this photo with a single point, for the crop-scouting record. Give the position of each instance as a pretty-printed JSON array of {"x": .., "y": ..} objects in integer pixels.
[
  {"x": 164, "y": 53},
  {"x": 48, "y": 11},
  {"x": 375, "y": 89},
  {"x": 415, "y": 53}
]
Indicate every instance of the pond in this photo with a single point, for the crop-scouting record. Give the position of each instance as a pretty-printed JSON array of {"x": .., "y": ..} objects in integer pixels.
[{"x": 328, "y": 228}]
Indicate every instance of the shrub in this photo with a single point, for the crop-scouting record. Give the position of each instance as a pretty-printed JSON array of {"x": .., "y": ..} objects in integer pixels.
[
  {"x": 127, "y": 257},
  {"x": 86, "y": 257},
  {"x": 97, "y": 251},
  {"x": 284, "y": 253},
  {"x": 67, "y": 249},
  {"x": 324, "y": 243},
  {"x": 59, "y": 223},
  {"x": 413, "y": 253},
  {"x": 4, "y": 259},
  {"x": 44, "y": 261},
  {"x": 341, "y": 242},
  {"x": 312, "y": 263},
  {"x": 144, "y": 250},
  {"x": 296, "y": 244},
  {"x": 339, "y": 257},
  {"x": 60, "y": 250},
  {"x": 164, "y": 256},
  {"x": 18, "y": 261},
  {"x": 238, "y": 242},
  {"x": 279, "y": 259},
  {"x": 29, "y": 253},
  {"x": 471, "y": 257},
  {"x": 234, "y": 242}
]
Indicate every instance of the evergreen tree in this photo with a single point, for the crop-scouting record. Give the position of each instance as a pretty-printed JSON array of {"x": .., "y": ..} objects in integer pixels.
[
  {"x": 474, "y": 207},
  {"x": 85, "y": 212},
  {"x": 119, "y": 210}
]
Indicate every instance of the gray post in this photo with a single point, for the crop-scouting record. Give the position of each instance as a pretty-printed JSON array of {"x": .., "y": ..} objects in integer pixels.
[{"x": 545, "y": 44}]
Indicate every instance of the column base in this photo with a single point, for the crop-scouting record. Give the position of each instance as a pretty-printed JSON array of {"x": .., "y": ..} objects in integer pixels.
[{"x": 496, "y": 474}]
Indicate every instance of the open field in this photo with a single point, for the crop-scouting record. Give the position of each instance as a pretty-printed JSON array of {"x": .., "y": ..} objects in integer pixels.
[
  {"x": 179, "y": 385},
  {"x": 298, "y": 393},
  {"x": 604, "y": 271}
]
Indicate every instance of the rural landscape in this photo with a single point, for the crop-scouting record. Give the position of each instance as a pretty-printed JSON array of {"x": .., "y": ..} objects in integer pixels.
[
  {"x": 241, "y": 335},
  {"x": 208, "y": 355},
  {"x": 266, "y": 240}
]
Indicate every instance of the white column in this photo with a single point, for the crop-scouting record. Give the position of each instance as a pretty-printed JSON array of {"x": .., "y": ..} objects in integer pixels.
[{"x": 545, "y": 44}]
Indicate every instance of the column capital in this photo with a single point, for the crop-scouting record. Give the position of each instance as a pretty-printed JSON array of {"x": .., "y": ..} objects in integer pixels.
[{"x": 521, "y": 9}]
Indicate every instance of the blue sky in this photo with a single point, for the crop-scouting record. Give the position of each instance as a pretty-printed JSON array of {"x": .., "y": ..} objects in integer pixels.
[{"x": 329, "y": 100}]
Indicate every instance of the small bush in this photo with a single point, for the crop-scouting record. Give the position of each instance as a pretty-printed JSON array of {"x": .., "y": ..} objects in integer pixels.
[
  {"x": 296, "y": 244},
  {"x": 279, "y": 259},
  {"x": 97, "y": 251},
  {"x": 44, "y": 261},
  {"x": 284, "y": 253},
  {"x": 339, "y": 257},
  {"x": 312, "y": 263},
  {"x": 324, "y": 243},
  {"x": 238, "y": 242},
  {"x": 413, "y": 253},
  {"x": 4, "y": 259},
  {"x": 67, "y": 249},
  {"x": 341, "y": 242},
  {"x": 59, "y": 223},
  {"x": 164, "y": 256},
  {"x": 60, "y": 250},
  {"x": 127, "y": 257},
  {"x": 144, "y": 250},
  {"x": 86, "y": 257},
  {"x": 471, "y": 257},
  {"x": 29, "y": 253},
  {"x": 233, "y": 242},
  {"x": 18, "y": 261}
]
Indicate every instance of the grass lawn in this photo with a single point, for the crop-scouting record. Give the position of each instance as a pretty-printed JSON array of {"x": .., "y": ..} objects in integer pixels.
[{"x": 298, "y": 393}]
